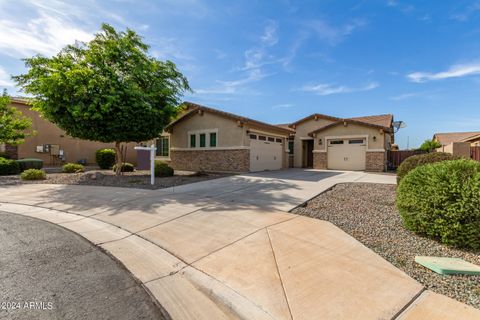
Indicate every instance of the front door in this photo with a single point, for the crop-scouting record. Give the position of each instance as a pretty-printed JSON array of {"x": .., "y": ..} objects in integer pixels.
[{"x": 307, "y": 148}]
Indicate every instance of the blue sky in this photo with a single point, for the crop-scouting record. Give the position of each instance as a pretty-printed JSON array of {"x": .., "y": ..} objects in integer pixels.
[{"x": 278, "y": 61}]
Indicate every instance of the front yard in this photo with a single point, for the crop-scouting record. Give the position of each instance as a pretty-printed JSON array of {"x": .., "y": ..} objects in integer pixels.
[
  {"x": 136, "y": 179},
  {"x": 369, "y": 214}
]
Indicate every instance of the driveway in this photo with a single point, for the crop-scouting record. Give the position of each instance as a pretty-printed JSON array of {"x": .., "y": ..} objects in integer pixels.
[{"x": 229, "y": 249}]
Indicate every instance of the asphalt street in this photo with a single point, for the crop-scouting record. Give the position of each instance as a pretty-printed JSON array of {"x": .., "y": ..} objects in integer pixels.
[{"x": 47, "y": 272}]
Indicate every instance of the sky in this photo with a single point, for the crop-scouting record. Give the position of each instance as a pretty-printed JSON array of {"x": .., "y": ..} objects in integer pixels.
[{"x": 279, "y": 61}]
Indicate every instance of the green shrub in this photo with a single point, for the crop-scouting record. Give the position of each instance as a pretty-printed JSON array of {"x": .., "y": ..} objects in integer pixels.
[
  {"x": 442, "y": 201},
  {"x": 126, "y": 167},
  {"x": 8, "y": 166},
  {"x": 33, "y": 174},
  {"x": 162, "y": 169},
  {"x": 105, "y": 158},
  {"x": 30, "y": 163},
  {"x": 420, "y": 159},
  {"x": 72, "y": 168},
  {"x": 4, "y": 155}
]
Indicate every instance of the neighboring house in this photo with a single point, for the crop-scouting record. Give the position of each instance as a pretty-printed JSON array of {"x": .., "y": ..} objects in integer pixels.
[
  {"x": 53, "y": 145},
  {"x": 447, "y": 138},
  {"x": 212, "y": 140}
]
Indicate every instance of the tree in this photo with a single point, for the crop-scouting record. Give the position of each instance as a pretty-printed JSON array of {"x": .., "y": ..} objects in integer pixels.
[
  {"x": 109, "y": 89},
  {"x": 14, "y": 125},
  {"x": 430, "y": 145}
]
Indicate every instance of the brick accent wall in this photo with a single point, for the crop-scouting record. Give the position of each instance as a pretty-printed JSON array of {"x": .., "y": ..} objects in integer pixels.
[
  {"x": 211, "y": 160},
  {"x": 376, "y": 161},
  {"x": 11, "y": 151},
  {"x": 319, "y": 160}
]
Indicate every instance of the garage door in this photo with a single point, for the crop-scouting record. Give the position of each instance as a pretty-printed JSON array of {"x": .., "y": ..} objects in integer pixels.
[
  {"x": 265, "y": 153},
  {"x": 346, "y": 154}
]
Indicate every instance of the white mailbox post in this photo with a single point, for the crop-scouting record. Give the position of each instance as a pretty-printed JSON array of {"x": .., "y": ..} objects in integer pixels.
[{"x": 152, "y": 161}]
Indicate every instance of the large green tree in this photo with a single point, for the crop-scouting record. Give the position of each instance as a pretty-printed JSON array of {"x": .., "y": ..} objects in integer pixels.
[
  {"x": 109, "y": 89},
  {"x": 14, "y": 126},
  {"x": 430, "y": 145}
]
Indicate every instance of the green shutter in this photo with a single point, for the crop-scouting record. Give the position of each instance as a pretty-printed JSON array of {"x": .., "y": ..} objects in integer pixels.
[
  {"x": 165, "y": 149},
  {"x": 202, "y": 140},
  {"x": 290, "y": 147},
  {"x": 213, "y": 139},
  {"x": 192, "y": 141}
]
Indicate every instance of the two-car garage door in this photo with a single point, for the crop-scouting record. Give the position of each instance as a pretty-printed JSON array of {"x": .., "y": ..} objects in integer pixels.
[
  {"x": 265, "y": 153},
  {"x": 346, "y": 154}
]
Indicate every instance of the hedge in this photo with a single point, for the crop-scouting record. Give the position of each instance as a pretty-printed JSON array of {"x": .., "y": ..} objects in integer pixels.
[
  {"x": 442, "y": 201},
  {"x": 30, "y": 163},
  {"x": 105, "y": 158},
  {"x": 414, "y": 161},
  {"x": 162, "y": 169},
  {"x": 8, "y": 167}
]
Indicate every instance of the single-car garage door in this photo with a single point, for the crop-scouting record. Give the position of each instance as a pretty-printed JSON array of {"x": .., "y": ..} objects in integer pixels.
[
  {"x": 265, "y": 153},
  {"x": 346, "y": 154}
]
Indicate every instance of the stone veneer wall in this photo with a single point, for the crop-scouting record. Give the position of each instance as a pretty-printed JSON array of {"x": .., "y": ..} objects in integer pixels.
[
  {"x": 211, "y": 160},
  {"x": 376, "y": 161},
  {"x": 319, "y": 160}
]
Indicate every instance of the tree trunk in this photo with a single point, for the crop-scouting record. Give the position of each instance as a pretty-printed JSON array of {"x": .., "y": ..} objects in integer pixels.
[{"x": 118, "y": 158}]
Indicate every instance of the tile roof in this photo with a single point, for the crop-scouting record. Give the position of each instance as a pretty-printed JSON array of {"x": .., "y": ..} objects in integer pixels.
[
  {"x": 351, "y": 120},
  {"x": 448, "y": 137},
  {"x": 384, "y": 120},
  {"x": 195, "y": 107}
]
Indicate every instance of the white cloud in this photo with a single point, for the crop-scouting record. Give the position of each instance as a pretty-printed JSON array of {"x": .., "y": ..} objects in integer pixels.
[
  {"x": 404, "y": 96},
  {"x": 5, "y": 78},
  {"x": 326, "y": 89},
  {"x": 334, "y": 34},
  {"x": 270, "y": 36},
  {"x": 49, "y": 30},
  {"x": 455, "y": 71},
  {"x": 234, "y": 86},
  {"x": 392, "y": 3}
]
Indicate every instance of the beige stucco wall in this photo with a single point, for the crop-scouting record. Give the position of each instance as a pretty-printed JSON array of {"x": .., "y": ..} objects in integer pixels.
[
  {"x": 48, "y": 133},
  {"x": 352, "y": 130},
  {"x": 229, "y": 133},
  {"x": 302, "y": 131},
  {"x": 461, "y": 149}
]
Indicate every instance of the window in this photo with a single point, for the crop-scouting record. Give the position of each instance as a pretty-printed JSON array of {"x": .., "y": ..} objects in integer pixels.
[
  {"x": 355, "y": 141},
  {"x": 263, "y": 138},
  {"x": 253, "y": 136},
  {"x": 202, "y": 140},
  {"x": 162, "y": 146},
  {"x": 336, "y": 141},
  {"x": 213, "y": 139},
  {"x": 278, "y": 140},
  {"x": 290, "y": 147},
  {"x": 271, "y": 139},
  {"x": 193, "y": 141}
]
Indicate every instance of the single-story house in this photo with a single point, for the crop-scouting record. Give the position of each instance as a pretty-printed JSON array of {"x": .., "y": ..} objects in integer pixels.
[
  {"x": 53, "y": 145},
  {"x": 208, "y": 139},
  {"x": 446, "y": 138}
]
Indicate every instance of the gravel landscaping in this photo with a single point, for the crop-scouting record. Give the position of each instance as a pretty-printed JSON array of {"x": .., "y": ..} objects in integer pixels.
[
  {"x": 368, "y": 213},
  {"x": 136, "y": 179}
]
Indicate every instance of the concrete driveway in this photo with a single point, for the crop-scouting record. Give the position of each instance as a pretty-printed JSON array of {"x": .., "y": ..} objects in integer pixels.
[{"x": 229, "y": 249}]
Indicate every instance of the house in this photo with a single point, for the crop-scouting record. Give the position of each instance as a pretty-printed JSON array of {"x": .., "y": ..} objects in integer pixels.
[
  {"x": 447, "y": 138},
  {"x": 53, "y": 145},
  {"x": 204, "y": 138}
]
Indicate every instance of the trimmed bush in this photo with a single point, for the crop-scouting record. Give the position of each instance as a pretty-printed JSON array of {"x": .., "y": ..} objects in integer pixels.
[
  {"x": 105, "y": 158},
  {"x": 8, "y": 166},
  {"x": 442, "y": 201},
  {"x": 126, "y": 167},
  {"x": 33, "y": 174},
  {"x": 162, "y": 169},
  {"x": 420, "y": 159},
  {"x": 72, "y": 168},
  {"x": 30, "y": 163}
]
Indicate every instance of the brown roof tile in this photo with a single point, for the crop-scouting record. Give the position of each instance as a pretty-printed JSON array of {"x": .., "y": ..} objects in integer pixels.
[
  {"x": 448, "y": 137},
  {"x": 384, "y": 120}
]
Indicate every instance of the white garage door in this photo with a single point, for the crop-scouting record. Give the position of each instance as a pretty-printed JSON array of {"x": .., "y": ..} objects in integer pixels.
[
  {"x": 265, "y": 153},
  {"x": 346, "y": 154}
]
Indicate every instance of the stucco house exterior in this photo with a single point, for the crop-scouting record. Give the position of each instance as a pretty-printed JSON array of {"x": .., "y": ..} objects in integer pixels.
[
  {"x": 208, "y": 139},
  {"x": 446, "y": 138},
  {"x": 53, "y": 145}
]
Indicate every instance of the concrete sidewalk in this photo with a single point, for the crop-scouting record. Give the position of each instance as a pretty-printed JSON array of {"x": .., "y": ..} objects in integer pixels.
[{"x": 228, "y": 248}]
